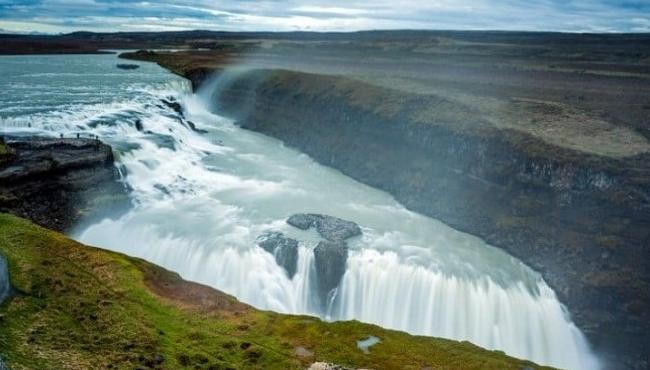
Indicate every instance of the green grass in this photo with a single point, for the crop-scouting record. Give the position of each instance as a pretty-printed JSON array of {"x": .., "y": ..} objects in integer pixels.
[
  {"x": 82, "y": 307},
  {"x": 5, "y": 153}
]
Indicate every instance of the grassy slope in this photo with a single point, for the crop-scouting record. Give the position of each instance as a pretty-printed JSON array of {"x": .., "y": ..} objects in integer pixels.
[{"x": 82, "y": 307}]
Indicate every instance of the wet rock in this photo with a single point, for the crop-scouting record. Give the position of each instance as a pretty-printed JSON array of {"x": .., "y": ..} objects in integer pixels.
[
  {"x": 193, "y": 128},
  {"x": 330, "y": 258},
  {"x": 128, "y": 66},
  {"x": 329, "y": 227},
  {"x": 302, "y": 221},
  {"x": 174, "y": 105},
  {"x": 5, "y": 286},
  {"x": 284, "y": 249},
  {"x": 55, "y": 182},
  {"x": 138, "y": 125}
]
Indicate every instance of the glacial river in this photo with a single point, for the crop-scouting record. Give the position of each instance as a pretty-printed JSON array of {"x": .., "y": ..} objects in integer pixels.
[{"x": 202, "y": 199}]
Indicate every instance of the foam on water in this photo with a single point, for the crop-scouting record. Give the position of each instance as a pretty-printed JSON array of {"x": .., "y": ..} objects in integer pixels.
[{"x": 202, "y": 200}]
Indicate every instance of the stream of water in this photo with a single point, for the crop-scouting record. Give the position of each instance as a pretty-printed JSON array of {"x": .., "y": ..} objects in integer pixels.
[{"x": 202, "y": 199}]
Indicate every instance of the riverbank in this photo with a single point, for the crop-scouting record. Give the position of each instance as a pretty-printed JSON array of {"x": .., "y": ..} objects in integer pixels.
[{"x": 534, "y": 168}]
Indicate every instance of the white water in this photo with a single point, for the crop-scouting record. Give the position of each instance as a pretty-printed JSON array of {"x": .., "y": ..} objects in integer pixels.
[{"x": 200, "y": 207}]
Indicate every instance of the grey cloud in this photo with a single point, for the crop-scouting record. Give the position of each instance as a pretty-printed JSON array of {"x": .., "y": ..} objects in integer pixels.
[{"x": 281, "y": 15}]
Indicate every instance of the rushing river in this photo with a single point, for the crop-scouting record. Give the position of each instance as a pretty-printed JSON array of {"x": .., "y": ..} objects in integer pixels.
[{"x": 202, "y": 199}]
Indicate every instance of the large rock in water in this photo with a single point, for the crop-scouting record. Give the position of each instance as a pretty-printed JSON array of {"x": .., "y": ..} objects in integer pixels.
[
  {"x": 329, "y": 227},
  {"x": 330, "y": 258},
  {"x": 284, "y": 249},
  {"x": 55, "y": 182},
  {"x": 5, "y": 286}
]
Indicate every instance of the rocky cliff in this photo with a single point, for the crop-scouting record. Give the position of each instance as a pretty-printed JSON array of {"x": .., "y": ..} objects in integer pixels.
[
  {"x": 56, "y": 182},
  {"x": 581, "y": 220},
  {"x": 578, "y": 215}
]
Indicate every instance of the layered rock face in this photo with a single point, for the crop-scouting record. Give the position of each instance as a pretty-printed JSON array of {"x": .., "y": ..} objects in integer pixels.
[
  {"x": 582, "y": 220},
  {"x": 284, "y": 249},
  {"x": 56, "y": 182},
  {"x": 330, "y": 260}
]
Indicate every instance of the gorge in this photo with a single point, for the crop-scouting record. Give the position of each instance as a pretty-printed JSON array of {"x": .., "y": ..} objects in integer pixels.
[
  {"x": 561, "y": 188},
  {"x": 232, "y": 185},
  {"x": 355, "y": 196}
]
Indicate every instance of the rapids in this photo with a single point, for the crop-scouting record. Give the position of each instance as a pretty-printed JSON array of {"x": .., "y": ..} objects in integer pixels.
[{"x": 202, "y": 199}]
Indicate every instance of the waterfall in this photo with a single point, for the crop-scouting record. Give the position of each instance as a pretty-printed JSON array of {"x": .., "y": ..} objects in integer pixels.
[
  {"x": 202, "y": 204},
  {"x": 202, "y": 199},
  {"x": 379, "y": 289}
]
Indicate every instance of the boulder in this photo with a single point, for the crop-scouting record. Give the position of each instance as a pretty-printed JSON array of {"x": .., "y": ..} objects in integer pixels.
[
  {"x": 329, "y": 227},
  {"x": 330, "y": 258},
  {"x": 284, "y": 249}
]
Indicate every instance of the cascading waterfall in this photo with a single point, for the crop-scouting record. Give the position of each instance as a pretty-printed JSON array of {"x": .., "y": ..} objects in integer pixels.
[{"x": 201, "y": 200}]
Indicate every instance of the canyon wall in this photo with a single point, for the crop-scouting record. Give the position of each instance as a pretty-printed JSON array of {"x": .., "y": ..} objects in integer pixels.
[{"x": 580, "y": 219}]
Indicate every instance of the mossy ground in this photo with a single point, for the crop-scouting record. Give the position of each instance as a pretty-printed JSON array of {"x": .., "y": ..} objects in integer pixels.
[
  {"x": 79, "y": 307},
  {"x": 5, "y": 153}
]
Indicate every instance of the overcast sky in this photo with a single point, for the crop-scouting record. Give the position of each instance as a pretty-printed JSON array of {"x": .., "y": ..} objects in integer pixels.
[{"x": 55, "y": 16}]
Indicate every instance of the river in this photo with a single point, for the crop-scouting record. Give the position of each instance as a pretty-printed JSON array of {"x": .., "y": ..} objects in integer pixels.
[{"x": 202, "y": 199}]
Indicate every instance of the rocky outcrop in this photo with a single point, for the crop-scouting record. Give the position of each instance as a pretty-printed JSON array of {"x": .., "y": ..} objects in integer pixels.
[
  {"x": 284, "y": 249},
  {"x": 582, "y": 220},
  {"x": 330, "y": 259},
  {"x": 329, "y": 227},
  {"x": 330, "y": 256},
  {"x": 55, "y": 182}
]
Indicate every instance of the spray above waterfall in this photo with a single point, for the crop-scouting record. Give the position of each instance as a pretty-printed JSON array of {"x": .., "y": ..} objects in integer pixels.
[{"x": 231, "y": 186}]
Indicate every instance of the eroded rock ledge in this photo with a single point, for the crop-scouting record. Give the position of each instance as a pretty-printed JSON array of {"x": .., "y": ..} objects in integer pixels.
[{"x": 55, "y": 182}]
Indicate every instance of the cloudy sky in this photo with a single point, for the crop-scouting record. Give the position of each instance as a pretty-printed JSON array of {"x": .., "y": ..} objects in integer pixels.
[{"x": 55, "y": 16}]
